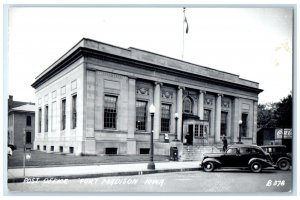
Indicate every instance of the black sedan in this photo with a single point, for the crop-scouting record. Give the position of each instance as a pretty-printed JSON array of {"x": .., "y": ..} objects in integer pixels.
[
  {"x": 281, "y": 157},
  {"x": 238, "y": 156}
]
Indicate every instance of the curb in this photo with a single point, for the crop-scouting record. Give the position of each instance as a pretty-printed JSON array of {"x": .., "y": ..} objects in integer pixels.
[
  {"x": 78, "y": 176},
  {"x": 90, "y": 164}
]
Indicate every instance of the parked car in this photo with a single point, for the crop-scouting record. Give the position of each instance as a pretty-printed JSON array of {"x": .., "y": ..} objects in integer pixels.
[
  {"x": 281, "y": 157},
  {"x": 10, "y": 149},
  {"x": 238, "y": 156}
]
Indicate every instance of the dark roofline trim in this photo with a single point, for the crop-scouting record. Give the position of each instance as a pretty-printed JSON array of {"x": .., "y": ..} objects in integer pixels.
[
  {"x": 83, "y": 51},
  {"x": 140, "y": 64},
  {"x": 76, "y": 55},
  {"x": 20, "y": 111}
]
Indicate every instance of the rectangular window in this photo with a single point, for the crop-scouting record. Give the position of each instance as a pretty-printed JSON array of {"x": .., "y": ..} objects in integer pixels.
[
  {"x": 111, "y": 151},
  {"x": 207, "y": 117},
  {"x": 53, "y": 116},
  {"x": 141, "y": 115},
  {"x": 144, "y": 150},
  {"x": 28, "y": 121},
  {"x": 196, "y": 130},
  {"x": 74, "y": 111},
  {"x": 110, "y": 112},
  {"x": 244, "y": 125},
  {"x": 224, "y": 123},
  {"x": 165, "y": 117},
  {"x": 71, "y": 149},
  {"x": 40, "y": 120},
  {"x": 63, "y": 114},
  {"x": 201, "y": 131},
  {"x": 46, "y": 118},
  {"x": 28, "y": 137},
  {"x": 52, "y": 148}
]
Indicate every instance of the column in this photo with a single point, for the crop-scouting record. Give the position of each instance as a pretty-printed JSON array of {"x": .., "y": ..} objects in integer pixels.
[
  {"x": 179, "y": 111},
  {"x": 201, "y": 104},
  {"x": 90, "y": 142},
  {"x": 235, "y": 119},
  {"x": 218, "y": 119},
  {"x": 254, "y": 122},
  {"x": 131, "y": 142},
  {"x": 157, "y": 104}
]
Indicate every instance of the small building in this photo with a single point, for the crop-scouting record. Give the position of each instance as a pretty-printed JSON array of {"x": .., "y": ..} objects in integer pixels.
[
  {"x": 274, "y": 136},
  {"x": 95, "y": 99},
  {"x": 21, "y": 123}
]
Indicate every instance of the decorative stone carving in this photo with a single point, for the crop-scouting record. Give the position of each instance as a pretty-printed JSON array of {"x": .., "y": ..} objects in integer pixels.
[
  {"x": 208, "y": 101},
  {"x": 225, "y": 104},
  {"x": 167, "y": 94},
  {"x": 143, "y": 91}
]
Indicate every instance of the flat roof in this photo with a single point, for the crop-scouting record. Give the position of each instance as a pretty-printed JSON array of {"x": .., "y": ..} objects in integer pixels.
[{"x": 151, "y": 58}]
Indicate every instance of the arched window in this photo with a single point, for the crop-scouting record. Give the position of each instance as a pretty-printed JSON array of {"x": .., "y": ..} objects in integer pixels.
[{"x": 188, "y": 105}]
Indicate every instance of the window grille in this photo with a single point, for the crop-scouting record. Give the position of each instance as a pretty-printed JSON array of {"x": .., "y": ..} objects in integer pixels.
[
  {"x": 165, "y": 117},
  {"x": 74, "y": 111},
  {"x": 188, "y": 105},
  {"x": 196, "y": 130},
  {"x": 46, "y": 118},
  {"x": 141, "y": 115},
  {"x": 110, "y": 112},
  {"x": 63, "y": 114}
]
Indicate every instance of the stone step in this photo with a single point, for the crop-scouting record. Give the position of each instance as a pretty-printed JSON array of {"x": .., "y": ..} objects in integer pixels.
[{"x": 194, "y": 153}]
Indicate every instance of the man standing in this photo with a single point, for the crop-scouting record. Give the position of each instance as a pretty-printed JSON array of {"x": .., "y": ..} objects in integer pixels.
[{"x": 224, "y": 140}]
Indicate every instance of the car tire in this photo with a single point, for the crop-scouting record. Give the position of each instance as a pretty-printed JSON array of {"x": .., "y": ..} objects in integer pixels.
[
  {"x": 208, "y": 166},
  {"x": 284, "y": 165},
  {"x": 256, "y": 166}
]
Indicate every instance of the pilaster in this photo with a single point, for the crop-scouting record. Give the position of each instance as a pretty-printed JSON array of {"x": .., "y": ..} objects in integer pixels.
[
  {"x": 157, "y": 104},
  {"x": 218, "y": 119},
  {"x": 131, "y": 142},
  {"x": 201, "y": 104},
  {"x": 179, "y": 111}
]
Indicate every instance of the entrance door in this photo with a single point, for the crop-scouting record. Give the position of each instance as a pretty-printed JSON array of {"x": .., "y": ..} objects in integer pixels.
[{"x": 190, "y": 135}]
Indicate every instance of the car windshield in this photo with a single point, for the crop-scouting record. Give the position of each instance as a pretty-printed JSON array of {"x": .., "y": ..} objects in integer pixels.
[{"x": 232, "y": 151}]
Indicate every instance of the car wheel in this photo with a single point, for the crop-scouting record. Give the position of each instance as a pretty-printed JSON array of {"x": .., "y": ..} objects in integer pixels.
[
  {"x": 256, "y": 167},
  {"x": 208, "y": 166},
  {"x": 284, "y": 165}
]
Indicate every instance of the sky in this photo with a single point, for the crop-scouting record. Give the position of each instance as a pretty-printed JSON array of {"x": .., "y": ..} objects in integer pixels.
[{"x": 254, "y": 43}]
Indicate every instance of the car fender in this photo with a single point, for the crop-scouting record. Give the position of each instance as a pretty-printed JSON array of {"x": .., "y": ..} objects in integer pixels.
[
  {"x": 212, "y": 160},
  {"x": 284, "y": 158},
  {"x": 260, "y": 160}
]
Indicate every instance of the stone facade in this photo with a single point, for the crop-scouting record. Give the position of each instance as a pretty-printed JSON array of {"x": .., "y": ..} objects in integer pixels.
[{"x": 208, "y": 102}]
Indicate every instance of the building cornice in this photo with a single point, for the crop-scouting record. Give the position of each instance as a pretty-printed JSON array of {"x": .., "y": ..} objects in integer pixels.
[{"x": 82, "y": 51}]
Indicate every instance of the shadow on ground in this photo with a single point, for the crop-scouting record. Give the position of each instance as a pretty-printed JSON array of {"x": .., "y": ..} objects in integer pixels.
[{"x": 42, "y": 159}]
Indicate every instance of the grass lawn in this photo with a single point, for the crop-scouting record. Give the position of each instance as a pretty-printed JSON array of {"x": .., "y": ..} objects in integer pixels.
[{"x": 42, "y": 159}]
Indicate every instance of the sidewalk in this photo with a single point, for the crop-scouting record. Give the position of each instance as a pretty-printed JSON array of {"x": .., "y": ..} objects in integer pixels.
[{"x": 93, "y": 171}]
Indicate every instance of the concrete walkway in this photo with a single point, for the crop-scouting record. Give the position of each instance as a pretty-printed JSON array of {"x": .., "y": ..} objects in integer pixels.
[{"x": 91, "y": 171}]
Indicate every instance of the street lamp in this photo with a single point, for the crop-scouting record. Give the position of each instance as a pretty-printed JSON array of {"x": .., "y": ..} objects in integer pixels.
[
  {"x": 151, "y": 164},
  {"x": 240, "y": 128},
  {"x": 176, "y": 115}
]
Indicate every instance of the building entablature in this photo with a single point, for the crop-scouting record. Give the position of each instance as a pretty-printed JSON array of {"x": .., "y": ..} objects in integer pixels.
[{"x": 145, "y": 60}]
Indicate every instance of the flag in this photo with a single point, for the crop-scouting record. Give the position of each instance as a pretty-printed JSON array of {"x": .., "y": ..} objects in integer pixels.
[{"x": 185, "y": 21}]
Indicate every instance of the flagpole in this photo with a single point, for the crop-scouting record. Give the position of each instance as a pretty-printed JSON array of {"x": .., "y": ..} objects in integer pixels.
[{"x": 183, "y": 33}]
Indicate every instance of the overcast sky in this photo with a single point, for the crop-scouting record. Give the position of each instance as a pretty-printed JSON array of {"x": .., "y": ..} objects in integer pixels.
[{"x": 254, "y": 43}]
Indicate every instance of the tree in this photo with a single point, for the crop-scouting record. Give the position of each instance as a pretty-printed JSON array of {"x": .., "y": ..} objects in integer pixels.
[
  {"x": 275, "y": 115},
  {"x": 284, "y": 112},
  {"x": 265, "y": 115}
]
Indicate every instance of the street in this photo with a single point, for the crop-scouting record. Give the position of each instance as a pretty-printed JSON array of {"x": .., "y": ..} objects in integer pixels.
[{"x": 197, "y": 181}]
